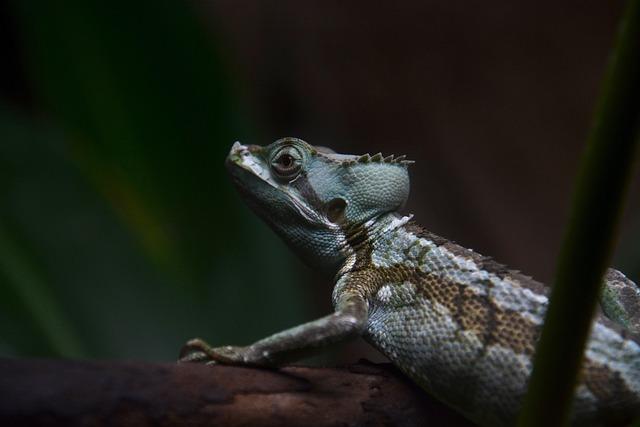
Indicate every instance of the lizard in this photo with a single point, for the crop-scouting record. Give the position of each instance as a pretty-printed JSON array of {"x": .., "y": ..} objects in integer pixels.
[{"x": 459, "y": 324}]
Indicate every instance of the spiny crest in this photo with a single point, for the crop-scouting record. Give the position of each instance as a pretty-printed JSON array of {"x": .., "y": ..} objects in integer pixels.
[
  {"x": 349, "y": 159},
  {"x": 377, "y": 158}
]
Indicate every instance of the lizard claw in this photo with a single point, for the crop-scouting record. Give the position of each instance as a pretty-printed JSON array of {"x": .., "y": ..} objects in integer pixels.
[
  {"x": 198, "y": 351},
  {"x": 195, "y": 351},
  {"x": 196, "y": 357}
]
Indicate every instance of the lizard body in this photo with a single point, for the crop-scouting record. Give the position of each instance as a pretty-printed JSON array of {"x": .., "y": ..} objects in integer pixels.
[{"x": 459, "y": 324}]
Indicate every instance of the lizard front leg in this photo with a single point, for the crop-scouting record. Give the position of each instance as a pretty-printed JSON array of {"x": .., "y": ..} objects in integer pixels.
[{"x": 348, "y": 321}]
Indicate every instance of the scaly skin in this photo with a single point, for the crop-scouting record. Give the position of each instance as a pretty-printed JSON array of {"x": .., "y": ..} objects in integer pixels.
[{"x": 459, "y": 324}]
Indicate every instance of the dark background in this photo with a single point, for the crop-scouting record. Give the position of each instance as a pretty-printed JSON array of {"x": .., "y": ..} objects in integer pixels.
[{"x": 120, "y": 235}]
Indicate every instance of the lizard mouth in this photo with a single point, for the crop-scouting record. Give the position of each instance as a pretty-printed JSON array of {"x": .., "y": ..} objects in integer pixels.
[{"x": 242, "y": 159}]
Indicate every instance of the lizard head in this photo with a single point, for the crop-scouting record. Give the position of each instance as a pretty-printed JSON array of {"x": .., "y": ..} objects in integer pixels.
[{"x": 314, "y": 198}]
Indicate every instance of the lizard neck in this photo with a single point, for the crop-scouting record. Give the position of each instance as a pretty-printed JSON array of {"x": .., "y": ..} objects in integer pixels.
[
  {"x": 342, "y": 248},
  {"x": 361, "y": 238}
]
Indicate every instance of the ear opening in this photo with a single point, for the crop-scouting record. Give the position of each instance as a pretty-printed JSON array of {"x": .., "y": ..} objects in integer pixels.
[{"x": 335, "y": 210}]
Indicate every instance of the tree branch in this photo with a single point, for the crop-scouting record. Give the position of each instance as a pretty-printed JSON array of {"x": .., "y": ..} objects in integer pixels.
[{"x": 64, "y": 392}]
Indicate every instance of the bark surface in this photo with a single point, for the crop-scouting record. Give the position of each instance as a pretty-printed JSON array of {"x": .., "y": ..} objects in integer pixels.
[{"x": 72, "y": 393}]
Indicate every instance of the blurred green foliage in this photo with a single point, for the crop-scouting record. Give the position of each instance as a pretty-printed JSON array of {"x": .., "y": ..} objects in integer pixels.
[{"x": 120, "y": 234}]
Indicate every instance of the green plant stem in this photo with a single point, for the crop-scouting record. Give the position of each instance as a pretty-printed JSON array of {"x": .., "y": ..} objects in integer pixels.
[{"x": 589, "y": 240}]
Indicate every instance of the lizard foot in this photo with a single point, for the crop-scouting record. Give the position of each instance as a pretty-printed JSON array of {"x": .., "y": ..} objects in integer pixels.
[
  {"x": 198, "y": 351},
  {"x": 195, "y": 351}
]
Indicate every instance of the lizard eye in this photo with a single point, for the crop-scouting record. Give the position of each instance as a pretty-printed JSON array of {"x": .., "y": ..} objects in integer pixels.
[{"x": 287, "y": 162}]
